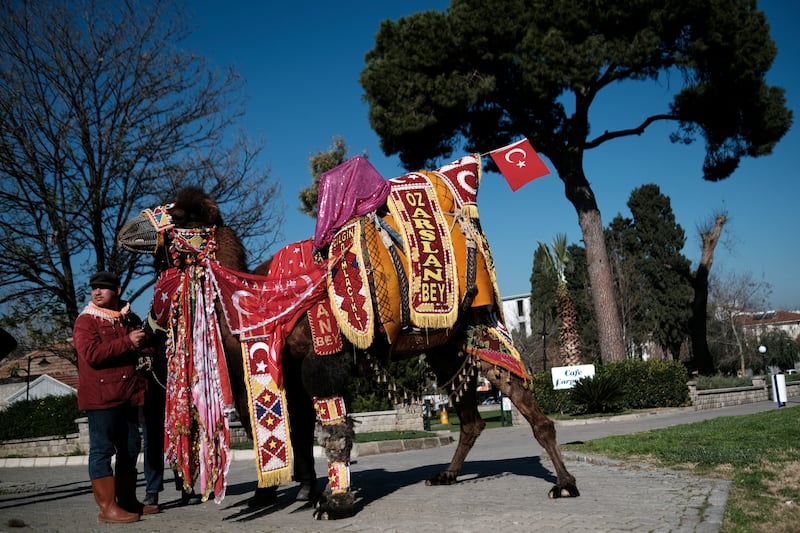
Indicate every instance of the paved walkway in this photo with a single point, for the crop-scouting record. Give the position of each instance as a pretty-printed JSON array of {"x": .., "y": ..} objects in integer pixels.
[{"x": 503, "y": 487}]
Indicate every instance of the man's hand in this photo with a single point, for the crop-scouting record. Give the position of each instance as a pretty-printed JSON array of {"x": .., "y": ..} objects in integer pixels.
[{"x": 137, "y": 337}]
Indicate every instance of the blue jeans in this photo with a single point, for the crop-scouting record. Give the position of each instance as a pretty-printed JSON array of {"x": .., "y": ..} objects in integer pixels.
[{"x": 113, "y": 431}]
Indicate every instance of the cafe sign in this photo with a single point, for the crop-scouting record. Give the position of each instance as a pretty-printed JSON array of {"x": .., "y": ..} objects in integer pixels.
[{"x": 565, "y": 377}]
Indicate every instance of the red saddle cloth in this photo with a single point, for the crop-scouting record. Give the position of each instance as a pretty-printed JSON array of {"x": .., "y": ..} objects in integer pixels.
[
  {"x": 266, "y": 308},
  {"x": 261, "y": 310}
]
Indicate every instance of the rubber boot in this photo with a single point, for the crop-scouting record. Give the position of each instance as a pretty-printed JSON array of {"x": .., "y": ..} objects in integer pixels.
[
  {"x": 104, "y": 490},
  {"x": 190, "y": 498},
  {"x": 126, "y": 496},
  {"x": 187, "y": 498},
  {"x": 307, "y": 491}
]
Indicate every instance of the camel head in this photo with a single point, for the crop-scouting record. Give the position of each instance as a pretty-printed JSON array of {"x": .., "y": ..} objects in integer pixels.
[{"x": 148, "y": 232}]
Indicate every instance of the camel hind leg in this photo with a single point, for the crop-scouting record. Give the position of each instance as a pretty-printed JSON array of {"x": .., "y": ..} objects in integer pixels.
[
  {"x": 471, "y": 423},
  {"x": 543, "y": 428},
  {"x": 471, "y": 427}
]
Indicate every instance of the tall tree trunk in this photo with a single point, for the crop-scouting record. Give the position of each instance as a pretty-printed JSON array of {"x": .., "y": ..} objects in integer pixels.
[
  {"x": 569, "y": 339},
  {"x": 580, "y": 193},
  {"x": 701, "y": 357}
]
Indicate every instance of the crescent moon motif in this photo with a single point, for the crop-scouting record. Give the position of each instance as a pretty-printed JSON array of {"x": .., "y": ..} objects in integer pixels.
[
  {"x": 300, "y": 289},
  {"x": 272, "y": 355},
  {"x": 522, "y": 158},
  {"x": 462, "y": 180},
  {"x": 280, "y": 311},
  {"x": 258, "y": 346},
  {"x": 160, "y": 314},
  {"x": 255, "y": 349},
  {"x": 236, "y": 301}
]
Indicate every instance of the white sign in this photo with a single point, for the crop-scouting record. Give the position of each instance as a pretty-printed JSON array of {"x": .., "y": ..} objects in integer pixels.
[
  {"x": 506, "y": 403},
  {"x": 565, "y": 377}
]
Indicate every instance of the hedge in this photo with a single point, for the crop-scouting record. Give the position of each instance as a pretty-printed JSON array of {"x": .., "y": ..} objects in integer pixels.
[
  {"x": 644, "y": 384},
  {"x": 41, "y": 417},
  {"x": 653, "y": 383}
]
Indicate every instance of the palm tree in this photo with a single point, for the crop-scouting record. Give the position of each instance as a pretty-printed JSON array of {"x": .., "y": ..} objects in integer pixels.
[{"x": 568, "y": 339}]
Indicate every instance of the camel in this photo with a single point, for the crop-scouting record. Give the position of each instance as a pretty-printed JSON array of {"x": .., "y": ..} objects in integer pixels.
[{"x": 447, "y": 350}]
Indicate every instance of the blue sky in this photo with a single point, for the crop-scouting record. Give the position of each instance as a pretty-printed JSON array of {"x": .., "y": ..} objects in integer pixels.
[{"x": 302, "y": 60}]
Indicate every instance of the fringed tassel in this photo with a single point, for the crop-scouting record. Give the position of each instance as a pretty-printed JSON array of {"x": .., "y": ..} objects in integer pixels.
[
  {"x": 198, "y": 389},
  {"x": 209, "y": 393},
  {"x": 179, "y": 425}
]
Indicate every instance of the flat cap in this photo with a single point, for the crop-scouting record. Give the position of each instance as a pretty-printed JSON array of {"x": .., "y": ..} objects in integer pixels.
[{"x": 106, "y": 280}]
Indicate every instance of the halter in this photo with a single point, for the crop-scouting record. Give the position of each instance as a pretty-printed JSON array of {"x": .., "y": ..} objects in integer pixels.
[
  {"x": 145, "y": 233},
  {"x": 149, "y": 232},
  {"x": 190, "y": 246}
]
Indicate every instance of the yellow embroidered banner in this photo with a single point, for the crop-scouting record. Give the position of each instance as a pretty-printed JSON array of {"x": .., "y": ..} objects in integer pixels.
[
  {"x": 348, "y": 286},
  {"x": 433, "y": 281}
]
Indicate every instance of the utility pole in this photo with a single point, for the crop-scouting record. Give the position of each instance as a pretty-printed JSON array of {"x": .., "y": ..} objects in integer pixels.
[
  {"x": 43, "y": 362},
  {"x": 544, "y": 340}
]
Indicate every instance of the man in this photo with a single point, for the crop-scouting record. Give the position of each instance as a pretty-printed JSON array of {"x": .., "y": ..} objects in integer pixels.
[{"x": 107, "y": 336}]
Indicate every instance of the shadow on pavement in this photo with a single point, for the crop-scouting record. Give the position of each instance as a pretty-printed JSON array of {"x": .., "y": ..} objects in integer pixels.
[
  {"x": 33, "y": 495},
  {"x": 374, "y": 484}
]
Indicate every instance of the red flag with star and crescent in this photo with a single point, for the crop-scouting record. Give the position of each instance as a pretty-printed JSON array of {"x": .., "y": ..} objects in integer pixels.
[{"x": 519, "y": 163}]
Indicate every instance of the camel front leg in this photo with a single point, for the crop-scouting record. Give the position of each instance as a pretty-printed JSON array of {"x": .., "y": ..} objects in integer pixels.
[
  {"x": 336, "y": 437},
  {"x": 543, "y": 428}
]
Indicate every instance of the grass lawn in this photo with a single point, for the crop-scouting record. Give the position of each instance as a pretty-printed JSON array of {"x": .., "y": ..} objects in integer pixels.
[
  {"x": 759, "y": 453},
  {"x": 360, "y": 437},
  {"x": 492, "y": 419}
]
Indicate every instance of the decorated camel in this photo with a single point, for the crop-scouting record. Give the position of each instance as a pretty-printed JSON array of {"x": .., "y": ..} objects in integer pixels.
[{"x": 397, "y": 268}]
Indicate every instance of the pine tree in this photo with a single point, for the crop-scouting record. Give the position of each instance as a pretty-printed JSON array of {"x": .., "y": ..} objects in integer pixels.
[{"x": 485, "y": 73}]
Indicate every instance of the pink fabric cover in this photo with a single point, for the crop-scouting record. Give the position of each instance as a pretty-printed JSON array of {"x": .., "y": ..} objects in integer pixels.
[{"x": 351, "y": 189}]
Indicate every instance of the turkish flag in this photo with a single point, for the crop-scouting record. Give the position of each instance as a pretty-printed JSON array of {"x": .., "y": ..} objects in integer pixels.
[{"x": 519, "y": 163}]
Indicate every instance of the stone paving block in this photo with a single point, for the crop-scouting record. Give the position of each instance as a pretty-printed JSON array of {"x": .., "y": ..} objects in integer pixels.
[{"x": 503, "y": 487}]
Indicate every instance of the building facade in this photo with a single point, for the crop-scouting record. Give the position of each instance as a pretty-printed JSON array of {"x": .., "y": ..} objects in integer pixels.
[
  {"x": 517, "y": 312},
  {"x": 756, "y": 324}
]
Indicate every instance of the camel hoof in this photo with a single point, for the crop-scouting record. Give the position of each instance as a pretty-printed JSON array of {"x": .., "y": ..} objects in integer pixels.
[
  {"x": 334, "y": 507},
  {"x": 442, "y": 478},
  {"x": 570, "y": 491},
  {"x": 327, "y": 513}
]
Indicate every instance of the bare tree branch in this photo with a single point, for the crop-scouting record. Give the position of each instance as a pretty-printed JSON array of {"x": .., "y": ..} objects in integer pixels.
[
  {"x": 102, "y": 114},
  {"x": 638, "y": 130}
]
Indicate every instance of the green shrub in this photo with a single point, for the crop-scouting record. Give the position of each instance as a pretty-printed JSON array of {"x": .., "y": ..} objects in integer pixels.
[
  {"x": 550, "y": 400},
  {"x": 721, "y": 382},
  {"x": 653, "y": 383},
  {"x": 367, "y": 402},
  {"x": 642, "y": 384},
  {"x": 42, "y": 417},
  {"x": 599, "y": 394}
]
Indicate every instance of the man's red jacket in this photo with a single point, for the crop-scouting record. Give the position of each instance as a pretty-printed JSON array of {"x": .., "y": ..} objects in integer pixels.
[{"x": 107, "y": 375}]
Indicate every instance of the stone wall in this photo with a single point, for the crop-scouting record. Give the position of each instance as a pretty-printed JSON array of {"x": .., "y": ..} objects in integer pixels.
[
  {"x": 402, "y": 418},
  {"x": 75, "y": 443},
  {"x": 760, "y": 390},
  {"x": 72, "y": 444}
]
